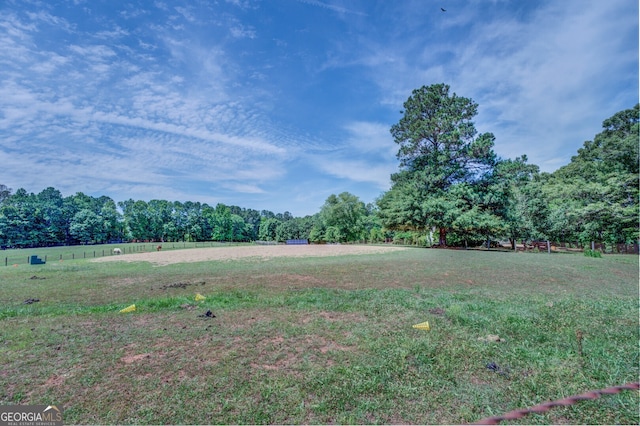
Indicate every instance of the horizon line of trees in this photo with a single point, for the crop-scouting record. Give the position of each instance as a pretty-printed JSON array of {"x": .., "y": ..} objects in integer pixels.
[
  {"x": 49, "y": 219},
  {"x": 451, "y": 190}
]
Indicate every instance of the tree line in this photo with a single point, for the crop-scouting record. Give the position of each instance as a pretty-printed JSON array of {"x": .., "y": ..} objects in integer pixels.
[
  {"x": 451, "y": 190},
  {"x": 49, "y": 219}
]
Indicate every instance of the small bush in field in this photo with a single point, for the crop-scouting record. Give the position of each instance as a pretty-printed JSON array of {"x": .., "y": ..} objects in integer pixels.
[{"x": 592, "y": 253}]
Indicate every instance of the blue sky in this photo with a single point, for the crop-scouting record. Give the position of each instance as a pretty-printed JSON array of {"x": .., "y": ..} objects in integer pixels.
[{"x": 278, "y": 104}]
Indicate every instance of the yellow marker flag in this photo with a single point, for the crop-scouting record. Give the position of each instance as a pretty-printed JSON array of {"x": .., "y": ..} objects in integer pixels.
[
  {"x": 128, "y": 309},
  {"x": 199, "y": 297},
  {"x": 423, "y": 326}
]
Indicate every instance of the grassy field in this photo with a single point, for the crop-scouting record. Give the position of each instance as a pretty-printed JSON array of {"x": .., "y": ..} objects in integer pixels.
[
  {"x": 55, "y": 254},
  {"x": 323, "y": 340}
]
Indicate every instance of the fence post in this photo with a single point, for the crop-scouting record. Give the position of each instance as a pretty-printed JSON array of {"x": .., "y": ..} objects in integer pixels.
[{"x": 548, "y": 247}]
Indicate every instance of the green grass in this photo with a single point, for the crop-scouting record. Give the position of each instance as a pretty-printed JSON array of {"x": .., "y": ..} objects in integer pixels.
[{"x": 323, "y": 340}]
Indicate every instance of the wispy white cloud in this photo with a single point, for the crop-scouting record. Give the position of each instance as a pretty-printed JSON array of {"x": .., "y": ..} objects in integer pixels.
[
  {"x": 273, "y": 102},
  {"x": 333, "y": 7},
  {"x": 146, "y": 133},
  {"x": 366, "y": 155},
  {"x": 372, "y": 138},
  {"x": 240, "y": 31},
  {"x": 114, "y": 34},
  {"x": 542, "y": 79},
  {"x": 242, "y": 4},
  {"x": 131, "y": 12},
  {"x": 186, "y": 14},
  {"x": 243, "y": 188},
  {"x": 359, "y": 171},
  {"x": 43, "y": 17}
]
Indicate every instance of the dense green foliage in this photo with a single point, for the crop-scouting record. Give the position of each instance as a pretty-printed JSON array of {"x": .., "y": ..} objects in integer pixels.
[
  {"x": 344, "y": 218},
  {"x": 450, "y": 178},
  {"x": 595, "y": 197},
  {"x": 450, "y": 182},
  {"x": 47, "y": 218}
]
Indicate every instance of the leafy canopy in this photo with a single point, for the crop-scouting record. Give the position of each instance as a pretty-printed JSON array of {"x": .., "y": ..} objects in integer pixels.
[
  {"x": 436, "y": 135},
  {"x": 440, "y": 150}
]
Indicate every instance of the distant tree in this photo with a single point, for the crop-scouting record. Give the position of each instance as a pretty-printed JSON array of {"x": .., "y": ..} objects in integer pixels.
[
  {"x": 159, "y": 213},
  {"x": 16, "y": 225},
  {"x": 287, "y": 230},
  {"x": 83, "y": 201},
  {"x": 305, "y": 225},
  {"x": 220, "y": 221},
  {"x": 268, "y": 226},
  {"x": 199, "y": 220},
  {"x": 370, "y": 228},
  {"x": 333, "y": 234},
  {"x": 5, "y": 192},
  {"x": 112, "y": 220},
  {"x": 252, "y": 219},
  {"x": 317, "y": 232},
  {"x": 176, "y": 229},
  {"x": 266, "y": 214},
  {"x": 240, "y": 230},
  {"x": 505, "y": 195},
  {"x": 22, "y": 222},
  {"x": 52, "y": 216},
  {"x": 137, "y": 219},
  {"x": 87, "y": 227},
  {"x": 284, "y": 216},
  {"x": 344, "y": 214}
]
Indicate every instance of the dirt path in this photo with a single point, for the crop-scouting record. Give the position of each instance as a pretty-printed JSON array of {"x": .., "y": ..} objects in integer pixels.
[{"x": 262, "y": 252}]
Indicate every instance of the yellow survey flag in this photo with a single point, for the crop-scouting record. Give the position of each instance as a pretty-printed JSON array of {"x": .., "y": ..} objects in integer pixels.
[
  {"x": 128, "y": 309},
  {"x": 199, "y": 297},
  {"x": 423, "y": 326}
]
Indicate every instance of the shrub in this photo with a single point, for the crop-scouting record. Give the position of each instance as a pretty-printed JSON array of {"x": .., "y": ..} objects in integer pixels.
[{"x": 592, "y": 253}]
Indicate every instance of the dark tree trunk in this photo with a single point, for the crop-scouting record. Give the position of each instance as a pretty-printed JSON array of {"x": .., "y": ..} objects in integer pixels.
[{"x": 443, "y": 237}]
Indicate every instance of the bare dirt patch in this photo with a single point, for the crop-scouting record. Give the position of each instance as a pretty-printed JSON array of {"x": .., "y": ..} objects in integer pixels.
[
  {"x": 54, "y": 381},
  {"x": 129, "y": 359},
  {"x": 180, "y": 285},
  {"x": 169, "y": 257},
  {"x": 280, "y": 354}
]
